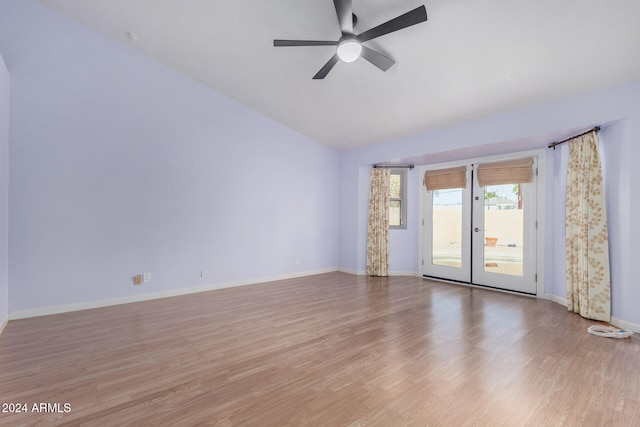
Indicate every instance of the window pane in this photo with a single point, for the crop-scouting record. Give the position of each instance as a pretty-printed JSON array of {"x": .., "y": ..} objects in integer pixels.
[
  {"x": 394, "y": 213},
  {"x": 394, "y": 186},
  {"x": 447, "y": 228},
  {"x": 503, "y": 229}
]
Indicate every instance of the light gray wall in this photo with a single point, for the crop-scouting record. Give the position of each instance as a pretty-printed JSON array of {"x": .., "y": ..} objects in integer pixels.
[
  {"x": 121, "y": 166},
  {"x": 4, "y": 191}
]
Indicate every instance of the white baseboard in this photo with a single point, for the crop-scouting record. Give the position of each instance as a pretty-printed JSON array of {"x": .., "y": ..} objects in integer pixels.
[
  {"x": 404, "y": 273},
  {"x": 618, "y": 323},
  {"x": 45, "y": 311},
  {"x": 623, "y": 324},
  {"x": 556, "y": 299},
  {"x": 4, "y": 323},
  {"x": 350, "y": 271},
  {"x": 391, "y": 273}
]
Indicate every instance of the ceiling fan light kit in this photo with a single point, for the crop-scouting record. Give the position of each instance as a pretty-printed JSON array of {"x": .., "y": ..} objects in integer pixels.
[
  {"x": 349, "y": 50},
  {"x": 350, "y": 46}
]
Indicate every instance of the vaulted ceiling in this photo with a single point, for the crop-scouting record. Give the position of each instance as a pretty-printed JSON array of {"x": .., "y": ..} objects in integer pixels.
[{"x": 469, "y": 60}]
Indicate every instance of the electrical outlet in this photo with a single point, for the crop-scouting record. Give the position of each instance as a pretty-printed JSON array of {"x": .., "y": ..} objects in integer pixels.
[
  {"x": 297, "y": 260},
  {"x": 137, "y": 280},
  {"x": 146, "y": 278}
]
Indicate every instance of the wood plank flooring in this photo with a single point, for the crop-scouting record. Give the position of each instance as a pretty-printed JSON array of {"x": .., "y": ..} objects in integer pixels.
[{"x": 326, "y": 350}]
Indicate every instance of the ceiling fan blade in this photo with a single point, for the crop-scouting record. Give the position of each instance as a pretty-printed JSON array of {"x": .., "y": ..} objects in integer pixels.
[
  {"x": 327, "y": 67},
  {"x": 304, "y": 43},
  {"x": 344, "y": 11},
  {"x": 408, "y": 19},
  {"x": 376, "y": 58}
]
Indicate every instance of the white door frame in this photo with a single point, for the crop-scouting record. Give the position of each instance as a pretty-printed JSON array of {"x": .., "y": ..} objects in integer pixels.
[{"x": 539, "y": 267}]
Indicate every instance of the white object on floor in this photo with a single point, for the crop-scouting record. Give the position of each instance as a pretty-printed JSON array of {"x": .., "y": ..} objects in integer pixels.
[{"x": 608, "y": 331}]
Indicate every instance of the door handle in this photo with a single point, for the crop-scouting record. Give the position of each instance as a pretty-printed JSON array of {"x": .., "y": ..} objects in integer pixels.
[{"x": 476, "y": 229}]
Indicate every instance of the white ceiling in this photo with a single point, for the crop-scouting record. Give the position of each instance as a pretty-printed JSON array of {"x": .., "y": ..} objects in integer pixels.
[{"x": 470, "y": 59}]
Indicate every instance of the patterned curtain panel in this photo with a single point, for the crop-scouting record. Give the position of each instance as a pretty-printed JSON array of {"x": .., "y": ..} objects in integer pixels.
[
  {"x": 378, "y": 234},
  {"x": 587, "y": 250}
]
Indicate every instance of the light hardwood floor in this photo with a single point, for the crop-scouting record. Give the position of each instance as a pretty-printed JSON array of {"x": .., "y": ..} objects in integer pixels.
[{"x": 326, "y": 350}]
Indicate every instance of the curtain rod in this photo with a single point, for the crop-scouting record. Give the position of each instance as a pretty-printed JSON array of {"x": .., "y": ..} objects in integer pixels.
[
  {"x": 394, "y": 166},
  {"x": 553, "y": 144}
]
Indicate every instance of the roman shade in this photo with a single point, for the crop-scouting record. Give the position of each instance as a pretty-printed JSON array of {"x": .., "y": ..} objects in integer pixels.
[
  {"x": 441, "y": 179},
  {"x": 517, "y": 171}
]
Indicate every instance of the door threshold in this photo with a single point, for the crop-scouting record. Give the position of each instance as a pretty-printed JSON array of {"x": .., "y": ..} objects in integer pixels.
[{"x": 475, "y": 285}]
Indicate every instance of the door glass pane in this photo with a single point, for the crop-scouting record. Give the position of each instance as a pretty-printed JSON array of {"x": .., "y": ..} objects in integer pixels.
[
  {"x": 447, "y": 228},
  {"x": 503, "y": 229}
]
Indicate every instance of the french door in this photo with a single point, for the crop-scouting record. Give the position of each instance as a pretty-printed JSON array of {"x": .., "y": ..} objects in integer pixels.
[{"x": 482, "y": 234}]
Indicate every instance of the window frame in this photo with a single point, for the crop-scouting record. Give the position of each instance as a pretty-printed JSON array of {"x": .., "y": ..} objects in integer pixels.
[{"x": 402, "y": 172}]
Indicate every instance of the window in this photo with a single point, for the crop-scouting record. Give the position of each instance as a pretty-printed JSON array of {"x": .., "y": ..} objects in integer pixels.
[{"x": 397, "y": 199}]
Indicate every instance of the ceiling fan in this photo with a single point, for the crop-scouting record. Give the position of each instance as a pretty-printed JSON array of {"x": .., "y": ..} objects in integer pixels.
[{"x": 349, "y": 46}]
